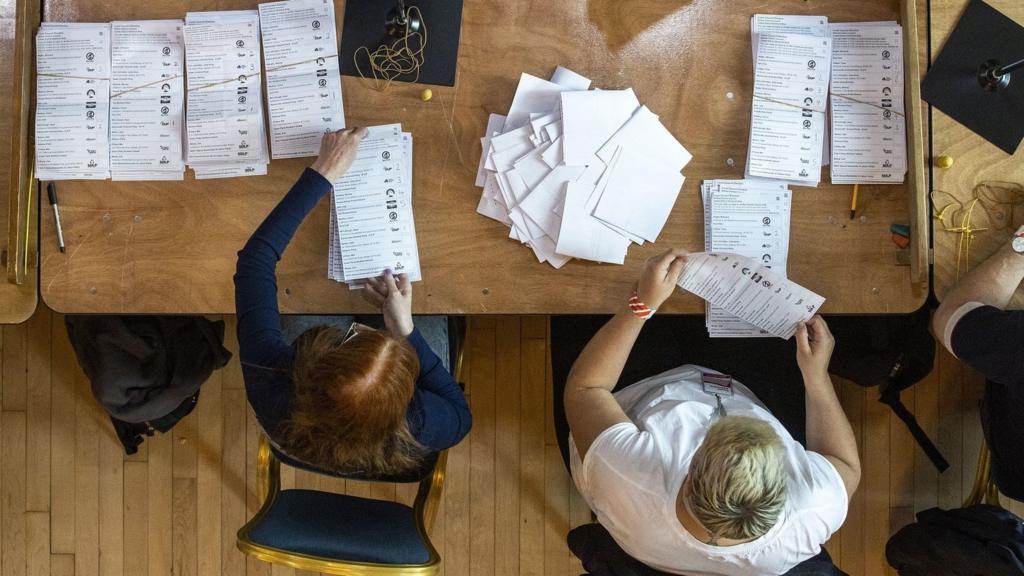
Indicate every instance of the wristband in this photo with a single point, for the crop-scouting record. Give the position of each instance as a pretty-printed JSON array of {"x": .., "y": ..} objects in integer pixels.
[{"x": 639, "y": 309}]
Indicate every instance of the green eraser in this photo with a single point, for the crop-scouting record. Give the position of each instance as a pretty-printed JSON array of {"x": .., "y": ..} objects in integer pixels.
[{"x": 901, "y": 229}]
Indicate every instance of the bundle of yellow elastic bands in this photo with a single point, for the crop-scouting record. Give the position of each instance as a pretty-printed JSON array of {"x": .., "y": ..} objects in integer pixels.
[
  {"x": 404, "y": 57},
  {"x": 958, "y": 217}
]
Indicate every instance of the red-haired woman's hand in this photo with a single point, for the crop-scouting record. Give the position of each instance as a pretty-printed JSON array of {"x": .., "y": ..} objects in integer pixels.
[{"x": 393, "y": 293}]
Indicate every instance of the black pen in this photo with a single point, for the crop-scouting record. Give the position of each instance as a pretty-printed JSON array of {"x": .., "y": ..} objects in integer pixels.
[{"x": 51, "y": 190}]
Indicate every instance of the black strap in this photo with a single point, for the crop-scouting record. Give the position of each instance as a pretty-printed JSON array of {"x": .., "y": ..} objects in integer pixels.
[{"x": 892, "y": 400}]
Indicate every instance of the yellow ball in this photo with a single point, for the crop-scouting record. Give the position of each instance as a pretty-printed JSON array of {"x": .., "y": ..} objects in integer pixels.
[
  {"x": 427, "y": 94},
  {"x": 944, "y": 161}
]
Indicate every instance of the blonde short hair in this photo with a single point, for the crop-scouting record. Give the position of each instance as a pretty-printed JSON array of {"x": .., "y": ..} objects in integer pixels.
[{"x": 738, "y": 478}]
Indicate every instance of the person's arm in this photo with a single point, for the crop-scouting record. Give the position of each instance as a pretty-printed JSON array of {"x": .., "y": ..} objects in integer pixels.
[
  {"x": 590, "y": 407},
  {"x": 259, "y": 321},
  {"x": 828, "y": 429},
  {"x": 992, "y": 283},
  {"x": 446, "y": 417}
]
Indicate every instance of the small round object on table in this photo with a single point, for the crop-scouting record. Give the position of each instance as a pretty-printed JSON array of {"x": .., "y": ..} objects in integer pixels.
[
  {"x": 944, "y": 161},
  {"x": 427, "y": 94}
]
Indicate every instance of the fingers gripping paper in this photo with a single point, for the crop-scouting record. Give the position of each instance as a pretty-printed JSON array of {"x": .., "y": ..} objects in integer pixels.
[{"x": 750, "y": 291}]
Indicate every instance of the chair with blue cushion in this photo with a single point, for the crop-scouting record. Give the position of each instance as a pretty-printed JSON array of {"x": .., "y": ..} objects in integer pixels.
[{"x": 347, "y": 535}]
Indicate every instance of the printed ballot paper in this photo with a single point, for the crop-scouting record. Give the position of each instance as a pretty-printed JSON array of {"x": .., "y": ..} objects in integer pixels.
[
  {"x": 72, "y": 101},
  {"x": 224, "y": 119},
  {"x": 867, "y": 108},
  {"x": 578, "y": 173},
  {"x": 371, "y": 225},
  {"x": 303, "y": 84},
  {"x": 750, "y": 218},
  {"x": 147, "y": 67},
  {"x": 746, "y": 288}
]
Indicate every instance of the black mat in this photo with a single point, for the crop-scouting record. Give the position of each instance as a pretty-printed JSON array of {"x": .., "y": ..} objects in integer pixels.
[
  {"x": 951, "y": 85},
  {"x": 364, "y": 26}
]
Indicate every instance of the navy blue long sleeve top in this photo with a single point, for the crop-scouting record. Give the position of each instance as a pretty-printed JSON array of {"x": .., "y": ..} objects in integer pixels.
[{"x": 438, "y": 414}]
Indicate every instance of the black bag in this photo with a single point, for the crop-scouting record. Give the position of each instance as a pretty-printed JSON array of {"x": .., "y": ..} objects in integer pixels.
[
  {"x": 146, "y": 370},
  {"x": 602, "y": 556},
  {"x": 980, "y": 539},
  {"x": 893, "y": 353}
]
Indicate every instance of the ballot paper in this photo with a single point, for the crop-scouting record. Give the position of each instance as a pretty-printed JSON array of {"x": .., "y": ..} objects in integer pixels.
[
  {"x": 867, "y": 105},
  {"x": 303, "y": 84},
  {"x": 372, "y": 224},
  {"x": 750, "y": 218},
  {"x": 226, "y": 135},
  {"x": 791, "y": 80},
  {"x": 747, "y": 289},
  {"x": 146, "y": 100},
  {"x": 578, "y": 173},
  {"x": 72, "y": 101}
]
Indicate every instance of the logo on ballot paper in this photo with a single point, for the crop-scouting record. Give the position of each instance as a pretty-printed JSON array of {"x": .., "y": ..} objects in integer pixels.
[
  {"x": 240, "y": 43},
  {"x": 807, "y": 123},
  {"x": 90, "y": 114},
  {"x": 811, "y": 64},
  {"x": 392, "y": 216},
  {"x": 385, "y": 155},
  {"x": 322, "y": 82},
  {"x": 316, "y": 24},
  {"x": 89, "y": 56},
  {"x": 166, "y": 51},
  {"x": 164, "y": 110},
  {"x": 886, "y": 54}
]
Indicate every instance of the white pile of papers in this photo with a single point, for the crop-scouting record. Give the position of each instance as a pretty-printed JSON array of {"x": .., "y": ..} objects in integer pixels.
[
  {"x": 749, "y": 290},
  {"x": 225, "y": 131},
  {"x": 147, "y": 67},
  {"x": 868, "y": 128},
  {"x": 372, "y": 226},
  {"x": 750, "y": 218},
  {"x": 303, "y": 83},
  {"x": 578, "y": 173},
  {"x": 792, "y": 59},
  {"x": 72, "y": 101}
]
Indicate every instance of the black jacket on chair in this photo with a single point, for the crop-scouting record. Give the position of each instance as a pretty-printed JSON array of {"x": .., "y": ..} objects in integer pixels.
[
  {"x": 146, "y": 370},
  {"x": 980, "y": 539}
]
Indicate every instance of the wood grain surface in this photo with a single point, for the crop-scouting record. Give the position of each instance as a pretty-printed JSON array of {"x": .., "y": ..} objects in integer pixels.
[
  {"x": 17, "y": 301},
  {"x": 974, "y": 161},
  {"x": 171, "y": 246}
]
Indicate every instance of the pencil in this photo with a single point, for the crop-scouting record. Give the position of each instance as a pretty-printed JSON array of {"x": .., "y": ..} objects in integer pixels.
[{"x": 853, "y": 203}]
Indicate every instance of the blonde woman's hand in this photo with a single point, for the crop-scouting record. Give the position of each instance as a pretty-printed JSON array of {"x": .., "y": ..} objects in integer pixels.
[
  {"x": 393, "y": 295},
  {"x": 658, "y": 280},
  {"x": 814, "y": 344},
  {"x": 337, "y": 152}
]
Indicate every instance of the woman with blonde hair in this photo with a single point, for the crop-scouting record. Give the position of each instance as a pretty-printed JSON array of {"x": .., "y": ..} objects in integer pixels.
[
  {"x": 365, "y": 401},
  {"x": 687, "y": 470}
]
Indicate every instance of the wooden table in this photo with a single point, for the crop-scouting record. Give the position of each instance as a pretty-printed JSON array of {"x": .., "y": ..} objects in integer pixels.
[
  {"x": 974, "y": 161},
  {"x": 19, "y": 290},
  {"x": 170, "y": 246}
]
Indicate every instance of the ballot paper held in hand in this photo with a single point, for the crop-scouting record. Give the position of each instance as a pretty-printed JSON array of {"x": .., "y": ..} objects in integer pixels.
[{"x": 749, "y": 290}]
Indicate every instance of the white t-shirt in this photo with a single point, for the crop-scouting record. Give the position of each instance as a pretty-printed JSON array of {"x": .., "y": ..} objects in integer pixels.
[{"x": 633, "y": 472}]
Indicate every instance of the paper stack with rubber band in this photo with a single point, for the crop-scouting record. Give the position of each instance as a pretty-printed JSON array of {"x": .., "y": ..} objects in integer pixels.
[
  {"x": 578, "y": 173},
  {"x": 749, "y": 290}
]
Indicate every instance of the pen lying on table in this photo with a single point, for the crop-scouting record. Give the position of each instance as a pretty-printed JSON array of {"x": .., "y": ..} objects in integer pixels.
[{"x": 51, "y": 190}]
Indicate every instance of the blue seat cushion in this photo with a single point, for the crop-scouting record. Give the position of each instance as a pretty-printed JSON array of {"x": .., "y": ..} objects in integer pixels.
[{"x": 340, "y": 527}]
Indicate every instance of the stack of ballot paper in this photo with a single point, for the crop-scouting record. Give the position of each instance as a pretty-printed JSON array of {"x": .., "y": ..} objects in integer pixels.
[
  {"x": 792, "y": 60},
  {"x": 225, "y": 128},
  {"x": 868, "y": 129},
  {"x": 750, "y": 218},
  {"x": 371, "y": 225},
  {"x": 747, "y": 289},
  {"x": 72, "y": 101},
  {"x": 147, "y": 67},
  {"x": 578, "y": 173},
  {"x": 300, "y": 49}
]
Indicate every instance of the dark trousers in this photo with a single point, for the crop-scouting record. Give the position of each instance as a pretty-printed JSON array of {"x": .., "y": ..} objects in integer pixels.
[{"x": 765, "y": 365}]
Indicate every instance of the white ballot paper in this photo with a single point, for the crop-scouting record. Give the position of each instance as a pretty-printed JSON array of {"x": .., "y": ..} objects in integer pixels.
[
  {"x": 372, "y": 225},
  {"x": 868, "y": 117},
  {"x": 225, "y": 129},
  {"x": 747, "y": 289},
  {"x": 750, "y": 218},
  {"x": 72, "y": 101},
  {"x": 787, "y": 126},
  {"x": 578, "y": 173},
  {"x": 146, "y": 100},
  {"x": 303, "y": 83}
]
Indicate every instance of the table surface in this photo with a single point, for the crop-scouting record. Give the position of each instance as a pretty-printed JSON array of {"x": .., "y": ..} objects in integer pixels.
[
  {"x": 17, "y": 302},
  {"x": 975, "y": 161},
  {"x": 170, "y": 247}
]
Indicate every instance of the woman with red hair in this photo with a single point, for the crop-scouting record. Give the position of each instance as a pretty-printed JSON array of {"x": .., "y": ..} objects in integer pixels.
[{"x": 368, "y": 401}]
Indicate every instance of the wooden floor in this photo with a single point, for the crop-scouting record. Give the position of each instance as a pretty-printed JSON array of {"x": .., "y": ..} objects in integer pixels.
[{"x": 72, "y": 503}]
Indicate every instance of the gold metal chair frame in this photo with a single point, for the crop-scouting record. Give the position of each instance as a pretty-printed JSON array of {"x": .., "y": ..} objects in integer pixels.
[
  {"x": 428, "y": 500},
  {"x": 984, "y": 490}
]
